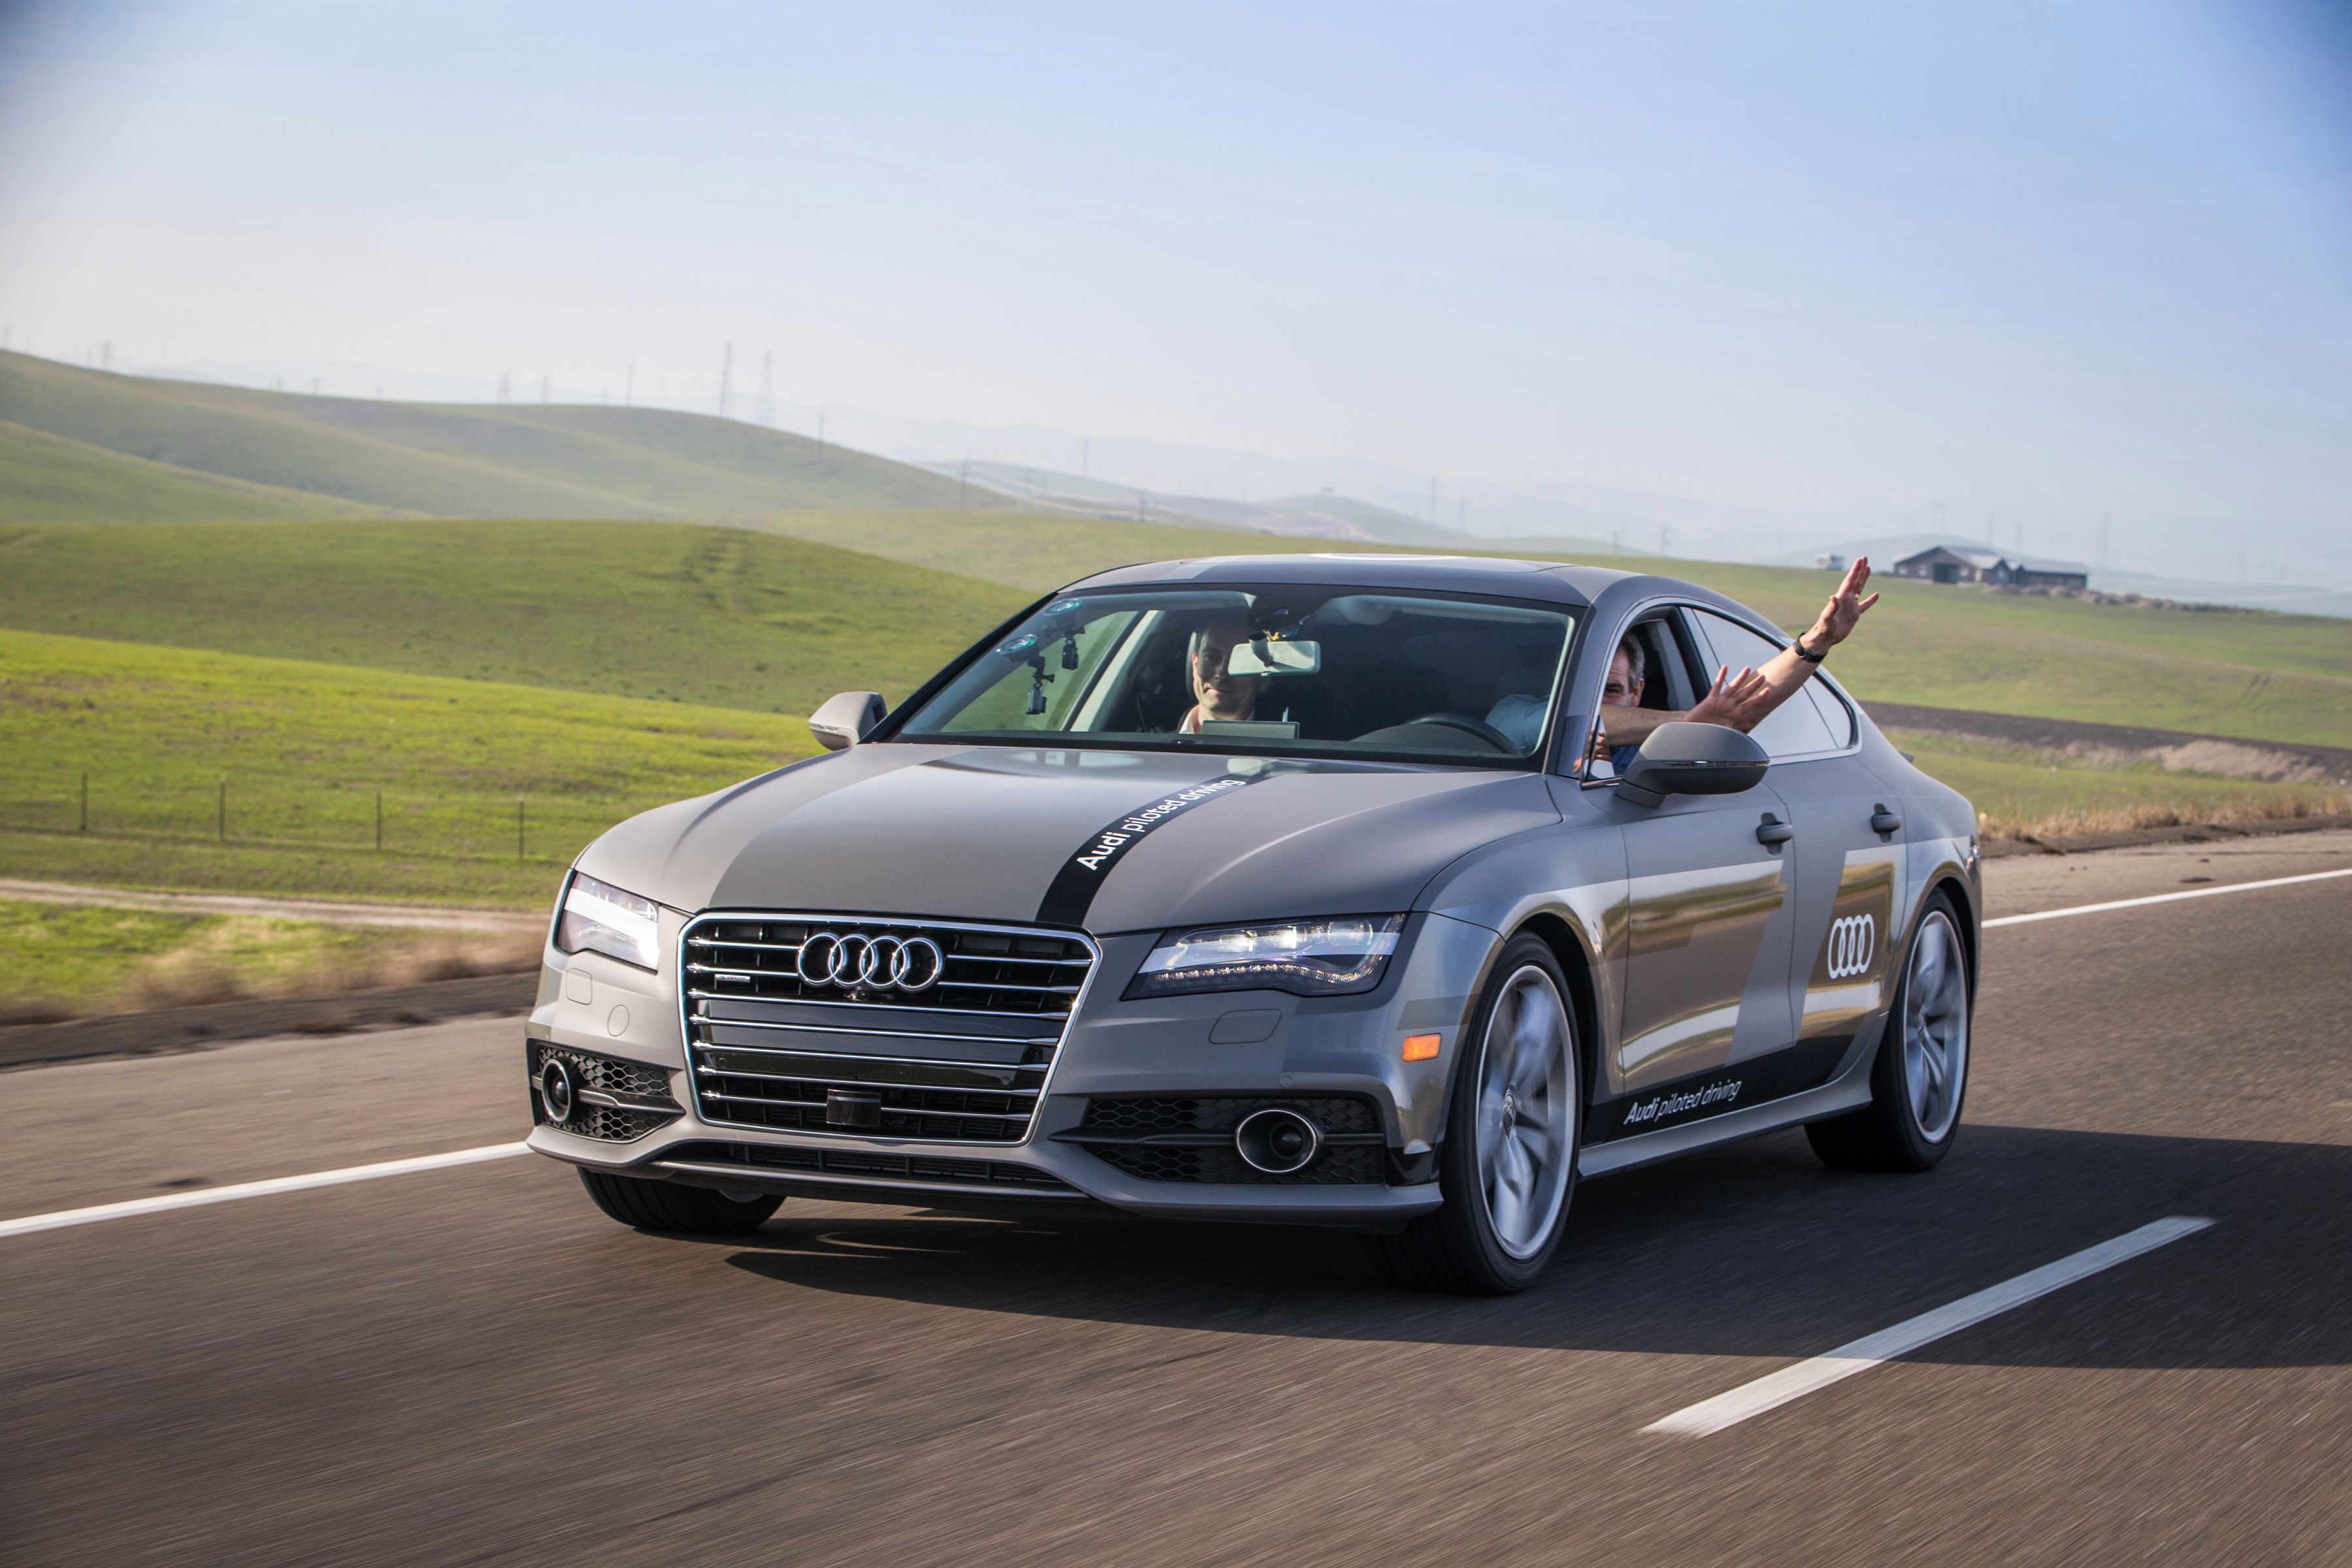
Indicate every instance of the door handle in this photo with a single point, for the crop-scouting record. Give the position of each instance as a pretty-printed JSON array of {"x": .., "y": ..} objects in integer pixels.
[
  {"x": 1886, "y": 821},
  {"x": 1774, "y": 831}
]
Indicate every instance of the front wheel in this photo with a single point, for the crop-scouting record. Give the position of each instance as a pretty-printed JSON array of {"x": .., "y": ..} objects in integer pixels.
[
  {"x": 666, "y": 1206},
  {"x": 1922, "y": 1072},
  {"x": 1509, "y": 1166}
]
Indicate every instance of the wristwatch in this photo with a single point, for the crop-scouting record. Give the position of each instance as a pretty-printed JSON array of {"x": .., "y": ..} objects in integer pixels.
[{"x": 1808, "y": 654}]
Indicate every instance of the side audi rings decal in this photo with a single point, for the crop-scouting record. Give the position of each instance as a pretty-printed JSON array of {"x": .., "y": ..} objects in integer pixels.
[
  {"x": 859, "y": 961},
  {"x": 1853, "y": 941}
]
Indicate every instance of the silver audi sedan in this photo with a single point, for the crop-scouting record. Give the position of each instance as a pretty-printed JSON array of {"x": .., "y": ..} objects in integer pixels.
[{"x": 1281, "y": 888}]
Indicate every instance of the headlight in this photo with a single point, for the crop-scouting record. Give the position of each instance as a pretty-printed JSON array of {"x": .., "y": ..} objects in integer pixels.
[
  {"x": 1305, "y": 958},
  {"x": 600, "y": 917}
]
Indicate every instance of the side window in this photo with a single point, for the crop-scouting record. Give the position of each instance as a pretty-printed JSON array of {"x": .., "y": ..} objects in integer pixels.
[
  {"x": 1666, "y": 666},
  {"x": 1833, "y": 710},
  {"x": 1796, "y": 728}
]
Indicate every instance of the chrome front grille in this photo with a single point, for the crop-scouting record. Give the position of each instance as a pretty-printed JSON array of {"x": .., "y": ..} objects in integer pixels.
[{"x": 957, "y": 1050}]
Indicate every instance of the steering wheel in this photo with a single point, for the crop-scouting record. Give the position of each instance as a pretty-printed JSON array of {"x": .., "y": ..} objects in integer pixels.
[{"x": 1468, "y": 726}]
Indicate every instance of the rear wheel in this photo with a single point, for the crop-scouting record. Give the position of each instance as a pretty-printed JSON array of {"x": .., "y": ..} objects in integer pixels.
[
  {"x": 1921, "y": 1075},
  {"x": 1509, "y": 1166},
  {"x": 666, "y": 1206}
]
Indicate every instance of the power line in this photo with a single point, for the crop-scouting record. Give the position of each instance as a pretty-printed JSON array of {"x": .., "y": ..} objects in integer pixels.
[
  {"x": 726, "y": 382},
  {"x": 766, "y": 412}
]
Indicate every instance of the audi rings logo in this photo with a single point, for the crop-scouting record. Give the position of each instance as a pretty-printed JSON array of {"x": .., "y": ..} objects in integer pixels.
[
  {"x": 1851, "y": 943},
  {"x": 860, "y": 962}
]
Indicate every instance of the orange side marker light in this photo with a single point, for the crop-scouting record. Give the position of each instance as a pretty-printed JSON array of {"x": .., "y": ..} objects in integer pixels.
[{"x": 1421, "y": 1047}]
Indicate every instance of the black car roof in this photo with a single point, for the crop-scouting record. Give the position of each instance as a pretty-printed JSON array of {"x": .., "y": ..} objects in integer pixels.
[{"x": 1553, "y": 581}]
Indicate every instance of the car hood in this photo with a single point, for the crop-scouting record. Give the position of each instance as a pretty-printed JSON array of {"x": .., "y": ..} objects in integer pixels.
[{"x": 982, "y": 832}]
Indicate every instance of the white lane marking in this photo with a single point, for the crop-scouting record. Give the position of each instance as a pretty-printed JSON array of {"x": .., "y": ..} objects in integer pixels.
[
  {"x": 203, "y": 1196},
  {"x": 1770, "y": 1392},
  {"x": 2165, "y": 898}
]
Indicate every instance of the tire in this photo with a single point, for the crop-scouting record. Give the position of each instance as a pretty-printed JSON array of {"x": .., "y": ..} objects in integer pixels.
[
  {"x": 667, "y": 1207},
  {"x": 1921, "y": 1077},
  {"x": 1512, "y": 1124}
]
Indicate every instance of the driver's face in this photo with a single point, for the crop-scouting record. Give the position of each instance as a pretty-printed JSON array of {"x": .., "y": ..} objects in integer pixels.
[
  {"x": 1621, "y": 690},
  {"x": 1221, "y": 695}
]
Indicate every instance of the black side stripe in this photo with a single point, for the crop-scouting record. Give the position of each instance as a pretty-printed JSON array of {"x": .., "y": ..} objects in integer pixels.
[{"x": 1081, "y": 876}]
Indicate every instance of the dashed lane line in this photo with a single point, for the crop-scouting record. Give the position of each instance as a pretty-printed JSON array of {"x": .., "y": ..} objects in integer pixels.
[
  {"x": 1771, "y": 1391},
  {"x": 62, "y": 1218},
  {"x": 2165, "y": 898}
]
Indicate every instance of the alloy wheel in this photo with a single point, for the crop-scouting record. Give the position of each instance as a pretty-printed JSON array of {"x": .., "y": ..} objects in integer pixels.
[
  {"x": 1935, "y": 1027},
  {"x": 1527, "y": 1111}
]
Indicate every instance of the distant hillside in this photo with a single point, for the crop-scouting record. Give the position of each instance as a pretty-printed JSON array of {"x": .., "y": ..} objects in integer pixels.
[
  {"x": 48, "y": 478},
  {"x": 497, "y": 460},
  {"x": 1326, "y": 515}
]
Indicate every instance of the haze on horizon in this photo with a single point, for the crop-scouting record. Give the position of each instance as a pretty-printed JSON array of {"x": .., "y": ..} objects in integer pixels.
[{"x": 1842, "y": 262}]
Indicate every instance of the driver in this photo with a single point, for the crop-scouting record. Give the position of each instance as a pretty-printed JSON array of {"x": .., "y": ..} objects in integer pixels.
[
  {"x": 1216, "y": 692},
  {"x": 1741, "y": 701}
]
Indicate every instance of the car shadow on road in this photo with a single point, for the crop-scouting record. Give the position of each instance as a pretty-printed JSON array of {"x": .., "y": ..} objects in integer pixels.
[{"x": 1755, "y": 1251}]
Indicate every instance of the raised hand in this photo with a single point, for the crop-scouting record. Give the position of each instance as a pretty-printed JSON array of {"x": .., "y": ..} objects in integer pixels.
[
  {"x": 1738, "y": 702},
  {"x": 1835, "y": 623}
]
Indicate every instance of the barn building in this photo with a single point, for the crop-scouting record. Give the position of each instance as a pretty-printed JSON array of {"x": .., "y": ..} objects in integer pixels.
[{"x": 1966, "y": 563}]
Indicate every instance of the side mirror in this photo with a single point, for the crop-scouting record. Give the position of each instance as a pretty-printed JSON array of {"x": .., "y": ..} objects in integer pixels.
[
  {"x": 1693, "y": 759},
  {"x": 846, "y": 718}
]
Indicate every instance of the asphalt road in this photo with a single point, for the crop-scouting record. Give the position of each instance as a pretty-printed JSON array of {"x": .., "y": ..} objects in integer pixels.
[{"x": 472, "y": 1367}]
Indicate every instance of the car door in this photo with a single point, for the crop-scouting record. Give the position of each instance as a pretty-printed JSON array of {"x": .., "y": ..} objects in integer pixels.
[
  {"x": 1847, "y": 859},
  {"x": 1707, "y": 943}
]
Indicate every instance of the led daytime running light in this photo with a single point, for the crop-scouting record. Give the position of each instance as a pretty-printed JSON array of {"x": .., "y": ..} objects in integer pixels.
[
  {"x": 600, "y": 917},
  {"x": 1307, "y": 958}
]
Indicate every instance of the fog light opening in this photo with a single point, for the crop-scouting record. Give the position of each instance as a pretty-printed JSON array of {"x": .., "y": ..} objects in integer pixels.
[
  {"x": 1277, "y": 1143},
  {"x": 555, "y": 1090}
]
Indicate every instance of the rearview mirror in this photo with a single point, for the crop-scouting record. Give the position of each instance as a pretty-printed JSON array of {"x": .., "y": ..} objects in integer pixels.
[
  {"x": 846, "y": 718},
  {"x": 1266, "y": 658},
  {"x": 1692, "y": 759}
]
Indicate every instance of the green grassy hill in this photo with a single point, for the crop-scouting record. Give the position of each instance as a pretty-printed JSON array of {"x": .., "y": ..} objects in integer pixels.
[
  {"x": 304, "y": 748},
  {"x": 595, "y": 667},
  {"x": 453, "y": 460},
  {"x": 675, "y": 611},
  {"x": 48, "y": 478}
]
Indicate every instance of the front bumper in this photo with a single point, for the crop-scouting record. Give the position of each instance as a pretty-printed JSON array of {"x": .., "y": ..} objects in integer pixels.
[{"x": 1260, "y": 1045}]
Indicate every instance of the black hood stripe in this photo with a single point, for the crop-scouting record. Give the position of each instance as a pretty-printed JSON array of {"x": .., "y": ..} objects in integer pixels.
[{"x": 1072, "y": 892}]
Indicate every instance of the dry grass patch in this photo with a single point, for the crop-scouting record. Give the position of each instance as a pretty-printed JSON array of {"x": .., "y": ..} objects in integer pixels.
[
  {"x": 60, "y": 962},
  {"x": 2093, "y": 821}
]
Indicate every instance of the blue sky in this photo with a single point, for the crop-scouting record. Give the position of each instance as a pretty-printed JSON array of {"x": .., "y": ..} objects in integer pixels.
[{"x": 2048, "y": 263}]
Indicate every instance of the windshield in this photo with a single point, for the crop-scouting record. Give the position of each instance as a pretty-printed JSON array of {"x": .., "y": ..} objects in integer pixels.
[{"x": 1282, "y": 669}]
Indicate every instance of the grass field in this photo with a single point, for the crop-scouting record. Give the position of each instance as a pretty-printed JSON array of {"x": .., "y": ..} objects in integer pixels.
[
  {"x": 592, "y": 668},
  {"x": 454, "y": 459},
  {"x": 304, "y": 750},
  {"x": 59, "y": 962},
  {"x": 680, "y": 612}
]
